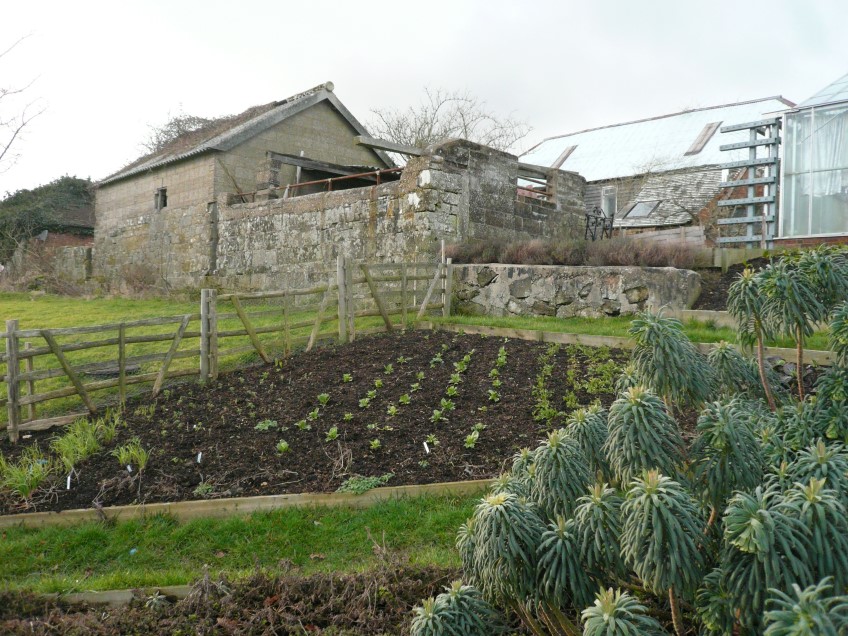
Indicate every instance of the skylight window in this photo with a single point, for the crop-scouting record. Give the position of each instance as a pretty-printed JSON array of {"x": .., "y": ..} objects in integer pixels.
[
  {"x": 642, "y": 209},
  {"x": 702, "y": 139}
]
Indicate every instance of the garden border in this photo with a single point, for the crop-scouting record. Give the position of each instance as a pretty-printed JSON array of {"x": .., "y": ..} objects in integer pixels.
[
  {"x": 218, "y": 508},
  {"x": 824, "y": 358}
]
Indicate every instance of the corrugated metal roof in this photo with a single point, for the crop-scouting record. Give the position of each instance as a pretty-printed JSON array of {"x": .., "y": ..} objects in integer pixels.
[
  {"x": 835, "y": 92},
  {"x": 653, "y": 145}
]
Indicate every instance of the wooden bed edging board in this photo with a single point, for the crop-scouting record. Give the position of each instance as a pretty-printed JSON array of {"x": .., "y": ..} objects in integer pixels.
[
  {"x": 824, "y": 358},
  {"x": 114, "y": 598},
  {"x": 216, "y": 508}
]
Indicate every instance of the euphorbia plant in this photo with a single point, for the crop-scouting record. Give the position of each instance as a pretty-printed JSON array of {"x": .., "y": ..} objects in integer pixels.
[
  {"x": 642, "y": 436},
  {"x": 661, "y": 538},
  {"x": 616, "y": 613},
  {"x": 561, "y": 475},
  {"x": 745, "y": 305},
  {"x": 791, "y": 305},
  {"x": 588, "y": 427}
]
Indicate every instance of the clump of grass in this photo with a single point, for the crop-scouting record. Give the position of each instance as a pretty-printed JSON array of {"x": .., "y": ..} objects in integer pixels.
[
  {"x": 132, "y": 454},
  {"x": 359, "y": 484},
  {"x": 79, "y": 442},
  {"x": 24, "y": 477}
]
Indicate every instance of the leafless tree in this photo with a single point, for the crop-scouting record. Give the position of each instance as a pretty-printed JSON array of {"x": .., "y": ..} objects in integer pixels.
[
  {"x": 14, "y": 117},
  {"x": 444, "y": 115}
]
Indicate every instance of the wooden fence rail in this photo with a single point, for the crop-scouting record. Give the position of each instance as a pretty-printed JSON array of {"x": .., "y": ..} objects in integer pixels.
[{"x": 281, "y": 320}]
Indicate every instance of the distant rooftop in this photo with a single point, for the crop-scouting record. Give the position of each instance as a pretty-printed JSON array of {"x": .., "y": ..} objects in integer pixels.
[
  {"x": 687, "y": 139},
  {"x": 835, "y": 92}
]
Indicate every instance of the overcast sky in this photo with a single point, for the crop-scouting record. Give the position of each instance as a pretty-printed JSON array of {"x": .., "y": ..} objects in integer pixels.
[{"x": 104, "y": 71}]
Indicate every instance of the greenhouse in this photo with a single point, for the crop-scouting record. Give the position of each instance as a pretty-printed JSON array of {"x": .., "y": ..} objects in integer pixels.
[{"x": 815, "y": 178}]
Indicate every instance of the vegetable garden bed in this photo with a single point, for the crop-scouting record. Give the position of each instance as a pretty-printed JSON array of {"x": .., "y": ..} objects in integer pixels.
[{"x": 400, "y": 408}]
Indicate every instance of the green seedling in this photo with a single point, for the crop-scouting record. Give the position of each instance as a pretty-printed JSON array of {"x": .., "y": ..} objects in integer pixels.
[
  {"x": 392, "y": 410},
  {"x": 415, "y": 387},
  {"x": 371, "y": 394},
  {"x": 266, "y": 425},
  {"x": 313, "y": 414},
  {"x": 347, "y": 417},
  {"x": 323, "y": 398},
  {"x": 451, "y": 391},
  {"x": 404, "y": 399},
  {"x": 304, "y": 425},
  {"x": 455, "y": 379},
  {"x": 375, "y": 444},
  {"x": 479, "y": 427},
  {"x": 332, "y": 434},
  {"x": 402, "y": 360},
  {"x": 347, "y": 377},
  {"x": 494, "y": 396},
  {"x": 419, "y": 376},
  {"x": 438, "y": 416},
  {"x": 471, "y": 440},
  {"x": 432, "y": 440},
  {"x": 364, "y": 403},
  {"x": 446, "y": 405},
  {"x": 378, "y": 384},
  {"x": 282, "y": 446},
  {"x": 388, "y": 369}
]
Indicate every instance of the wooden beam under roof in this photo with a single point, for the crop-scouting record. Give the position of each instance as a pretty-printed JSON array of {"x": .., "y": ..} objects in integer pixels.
[
  {"x": 383, "y": 144},
  {"x": 321, "y": 166}
]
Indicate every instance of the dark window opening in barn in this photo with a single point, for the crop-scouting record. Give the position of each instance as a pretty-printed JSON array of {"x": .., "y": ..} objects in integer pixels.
[
  {"x": 161, "y": 199},
  {"x": 642, "y": 209},
  {"x": 609, "y": 200},
  {"x": 703, "y": 138}
]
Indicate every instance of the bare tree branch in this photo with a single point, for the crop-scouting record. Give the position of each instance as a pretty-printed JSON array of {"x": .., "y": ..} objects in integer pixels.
[
  {"x": 13, "y": 125},
  {"x": 444, "y": 115}
]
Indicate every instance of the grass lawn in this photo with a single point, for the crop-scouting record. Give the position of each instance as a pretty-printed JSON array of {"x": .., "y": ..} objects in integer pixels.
[
  {"x": 160, "y": 551},
  {"x": 695, "y": 330}
]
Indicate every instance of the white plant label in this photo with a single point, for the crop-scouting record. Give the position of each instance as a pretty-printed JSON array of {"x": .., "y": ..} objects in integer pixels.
[
  {"x": 426, "y": 448},
  {"x": 69, "y": 482},
  {"x": 199, "y": 455},
  {"x": 129, "y": 468}
]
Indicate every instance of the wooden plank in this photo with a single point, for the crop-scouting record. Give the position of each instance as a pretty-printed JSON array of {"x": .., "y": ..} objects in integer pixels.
[
  {"x": 342, "y": 286},
  {"x": 351, "y": 321},
  {"x": 430, "y": 291},
  {"x": 747, "y": 182},
  {"x": 105, "y": 384},
  {"x": 318, "y": 319},
  {"x": 751, "y": 124},
  {"x": 750, "y": 144},
  {"x": 220, "y": 508},
  {"x": 116, "y": 598},
  {"x": 44, "y": 424},
  {"x": 213, "y": 333},
  {"x": 375, "y": 294},
  {"x": 275, "y": 294},
  {"x": 254, "y": 339},
  {"x": 746, "y": 201},
  {"x": 740, "y": 239},
  {"x": 29, "y": 365},
  {"x": 160, "y": 378},
  {"x": 382, "y": 144},
  {"x": 74, "y": 331},
  {"x": 94, "y": 367},
  {"x": 122, "y": 365},
  {"x": 13, "y": 389},
  {"x": 744, "y": 219},
  {"x": 745, "y": 163},
  {"x": 72, "y": 376}
]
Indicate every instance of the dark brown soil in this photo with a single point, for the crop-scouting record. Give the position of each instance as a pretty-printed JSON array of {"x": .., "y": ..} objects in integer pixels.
[
  {"x": 714, "y": 284},
  {"x": 376, "y": 602},
  {"x": 203, "y": 440}
]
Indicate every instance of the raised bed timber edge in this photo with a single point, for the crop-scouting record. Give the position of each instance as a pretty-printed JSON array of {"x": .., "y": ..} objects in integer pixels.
[
  {"x": 824, "y": 358},
  {"x": 216, "y": 508}
]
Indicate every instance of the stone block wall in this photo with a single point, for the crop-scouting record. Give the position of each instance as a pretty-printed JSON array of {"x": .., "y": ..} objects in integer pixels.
[
  {"x": 563, "y": 291},
  {"x": 455, "y": 192}
]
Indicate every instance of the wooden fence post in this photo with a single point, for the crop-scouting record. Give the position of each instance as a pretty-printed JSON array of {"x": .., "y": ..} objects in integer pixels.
[
  {"x": 286, "y": 328},
  {"x": 351, "y": 307},
  {"x": 204, "y": 335},
  {"x": 212, "y": 317},
  {"x": 403, "y": 299},
  {"x": 30, "y": 367},
  {"x": 122, "y": 364},
  {"x": 448, "y": 287},
  {"x": 341, "y": 280},
  {"x": 12, "y": 383}
]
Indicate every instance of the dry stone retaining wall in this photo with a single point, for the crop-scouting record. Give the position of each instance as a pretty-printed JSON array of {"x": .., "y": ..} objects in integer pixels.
[{"x": 542, "y": 290}]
